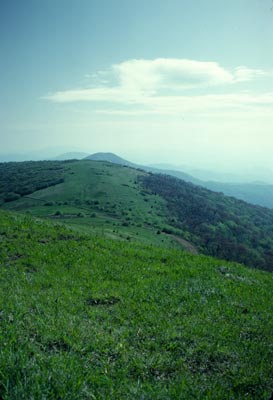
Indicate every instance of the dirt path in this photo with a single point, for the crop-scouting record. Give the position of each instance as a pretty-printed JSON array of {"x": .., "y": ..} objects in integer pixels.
[{"x": 185, "y": 244}]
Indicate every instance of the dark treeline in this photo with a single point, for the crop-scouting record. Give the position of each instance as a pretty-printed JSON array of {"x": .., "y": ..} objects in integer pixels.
[
  {"x": 20, "y": 179},
  {"x": 220, "y": 226}
]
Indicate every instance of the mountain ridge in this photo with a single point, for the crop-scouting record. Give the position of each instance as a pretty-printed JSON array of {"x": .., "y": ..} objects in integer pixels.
[
  {"x": 257, "y": 193},
  {"x": 135, "y": 205},
  {"x": 110, "y": 157},
  {"x": 78, "y": 155}
]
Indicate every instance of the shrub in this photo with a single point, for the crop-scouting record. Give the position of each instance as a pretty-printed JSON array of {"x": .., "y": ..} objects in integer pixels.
[
  {"x": 58, "y": 213},
  {"x": 11, "y": 197},
  {"x": 49, "y": 203}
]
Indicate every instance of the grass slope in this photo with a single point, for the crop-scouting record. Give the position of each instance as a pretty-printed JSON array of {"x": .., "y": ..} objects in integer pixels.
[
  {"x": 102, "y": 198},
  {"x": 89, "y": 318},
  {"x": 133, "y": 205},
  {"x": 254, "y": 193}
]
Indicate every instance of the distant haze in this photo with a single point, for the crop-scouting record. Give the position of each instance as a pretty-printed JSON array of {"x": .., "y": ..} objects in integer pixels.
[
  {"x": 185, "y": 83},
  {"x": 198, "y": 170}
]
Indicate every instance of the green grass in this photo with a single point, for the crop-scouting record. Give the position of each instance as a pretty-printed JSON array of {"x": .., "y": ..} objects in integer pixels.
[
  {"x": 129, "y": 204},
  {"x": 85, "y": 317},
  {"x": 101, "y": 198}
]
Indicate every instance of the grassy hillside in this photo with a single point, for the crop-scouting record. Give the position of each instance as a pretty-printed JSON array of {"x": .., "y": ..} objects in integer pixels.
[
  {"x": 133, "y": 205},
  {"x": 251, "y": 192},
  {"x": 101, "y": 198},
  {"x": 90, "y": 318}
]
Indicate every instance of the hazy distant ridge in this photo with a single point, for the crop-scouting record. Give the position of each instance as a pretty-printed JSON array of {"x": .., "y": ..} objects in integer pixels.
[
  {"x": 74, "y": 155},
  {"x": 110, "y": 157},
  {"x": 254, "y": 193}
]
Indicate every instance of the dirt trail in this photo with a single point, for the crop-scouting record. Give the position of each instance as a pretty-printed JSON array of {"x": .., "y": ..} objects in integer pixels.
[{"x": 185, "y": 244}]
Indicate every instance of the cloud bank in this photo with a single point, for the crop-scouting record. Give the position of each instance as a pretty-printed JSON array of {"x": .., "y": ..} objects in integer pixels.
[{"x": 162, "y": 86}]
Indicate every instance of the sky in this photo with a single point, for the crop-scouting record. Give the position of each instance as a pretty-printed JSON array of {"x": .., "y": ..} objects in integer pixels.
[{"x": 158, "y": 81}]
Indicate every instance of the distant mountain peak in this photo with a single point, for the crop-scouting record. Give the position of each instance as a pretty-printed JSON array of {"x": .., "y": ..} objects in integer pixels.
[{"x": 110, "y": 157}]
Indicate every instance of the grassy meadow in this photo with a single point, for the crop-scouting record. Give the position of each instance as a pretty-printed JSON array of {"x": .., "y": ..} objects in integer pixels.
[
  {"x": 129, "y": 204},
  {"x": 100, "y": 198},
  {"x": 86, "y": 317}
]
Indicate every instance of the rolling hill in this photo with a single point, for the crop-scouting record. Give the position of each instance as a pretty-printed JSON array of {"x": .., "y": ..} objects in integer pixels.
[
  {"x": 113, "y": 158},
  {"x": 257, "y": 193},
  {"x": 110, "y": 157},
  {"x": 95, "y": 197},
  {"x": 133, "y": 205}
]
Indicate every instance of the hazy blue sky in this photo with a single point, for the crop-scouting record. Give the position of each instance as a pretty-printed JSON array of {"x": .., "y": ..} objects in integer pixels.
[{"x": 187, "y": 82}]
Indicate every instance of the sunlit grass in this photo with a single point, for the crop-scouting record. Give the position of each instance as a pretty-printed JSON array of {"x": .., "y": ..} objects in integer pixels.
[{"x": 90, "y": 318}]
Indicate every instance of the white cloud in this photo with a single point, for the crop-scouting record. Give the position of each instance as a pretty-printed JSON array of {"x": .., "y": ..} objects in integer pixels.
[
  {"x": 243, "y": 74},
  {"x": 161, "y": 86},
  {"x": 116, "y": 95},
  {"x": 169, "y": 73},
  {"x": 205, "y": 104}
]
